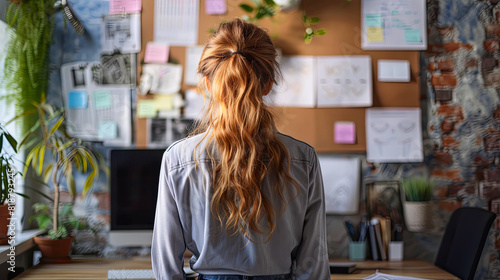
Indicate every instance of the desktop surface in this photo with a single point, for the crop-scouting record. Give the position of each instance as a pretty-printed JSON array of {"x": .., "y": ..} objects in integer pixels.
[{"x": 97, "y": 268}]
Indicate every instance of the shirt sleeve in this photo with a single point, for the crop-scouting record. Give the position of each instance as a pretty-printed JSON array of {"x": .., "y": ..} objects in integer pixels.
[
  {"x": 312, "y": 255},
  {"x": 168, "y": 246}
]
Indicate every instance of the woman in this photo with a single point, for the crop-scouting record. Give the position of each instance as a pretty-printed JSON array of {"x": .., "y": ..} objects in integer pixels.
[{"x": 243, "y": 198}]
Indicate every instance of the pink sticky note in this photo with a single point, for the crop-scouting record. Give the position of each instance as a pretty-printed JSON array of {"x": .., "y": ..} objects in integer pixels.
[
  {"x": 124, "y": 6},
  {"x": 344, "y": 133},
  {"x": 215, "y": 7},
  {"x": 156, "y": 53}
]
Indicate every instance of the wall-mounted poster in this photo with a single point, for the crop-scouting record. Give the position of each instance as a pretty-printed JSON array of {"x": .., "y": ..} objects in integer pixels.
[
  {"x": 344, "y": 81},
  {"x": 393, "y": 135},
  {"x": 393, "y": 25},
  {"x": 341, "y": 183}
]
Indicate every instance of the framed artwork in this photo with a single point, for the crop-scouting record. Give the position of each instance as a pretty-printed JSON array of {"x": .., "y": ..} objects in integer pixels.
[{"x": 384, "y": 199}]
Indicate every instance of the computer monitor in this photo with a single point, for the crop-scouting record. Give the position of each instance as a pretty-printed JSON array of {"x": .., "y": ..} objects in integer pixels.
[{"x": 134, "y": 176}]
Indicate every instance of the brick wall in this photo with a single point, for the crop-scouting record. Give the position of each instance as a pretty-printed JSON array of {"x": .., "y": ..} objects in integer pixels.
[{"x": 463, "y": 82}]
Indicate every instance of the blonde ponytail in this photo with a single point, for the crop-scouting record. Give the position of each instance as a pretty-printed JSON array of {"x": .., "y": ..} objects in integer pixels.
[{"x": 239, "y": 62}]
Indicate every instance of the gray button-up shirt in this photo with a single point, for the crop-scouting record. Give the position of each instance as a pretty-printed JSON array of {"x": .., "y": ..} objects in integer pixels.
[{"x": 184, "y": 220}]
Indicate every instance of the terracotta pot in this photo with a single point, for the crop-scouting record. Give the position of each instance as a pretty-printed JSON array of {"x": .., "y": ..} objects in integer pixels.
[
  {"x": 4, "y": 221},
  {"x": 418, "y": 215},
  {"x": 54, "y": 251}
]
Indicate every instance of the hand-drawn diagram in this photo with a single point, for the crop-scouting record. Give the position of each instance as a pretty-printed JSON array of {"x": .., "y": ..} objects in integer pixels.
[
  {"x": 344, "y": 81},
  {"x": 297, "y": 89},
  {"x": 341, "y": 183},
  {"x": 393, "y": 135}
]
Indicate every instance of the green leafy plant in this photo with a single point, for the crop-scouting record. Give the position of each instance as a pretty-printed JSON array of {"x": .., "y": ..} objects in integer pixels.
[
  {"x": 67, "y": 220},
  {"x": 66, "y": 153},
  {"x": 26, "y": 72},
  {"x": 310, "y": 32},
  {"x": 6, "y": 163},
  {"x": 268, "y": 8},
  {"x": 417, "y": 188}
]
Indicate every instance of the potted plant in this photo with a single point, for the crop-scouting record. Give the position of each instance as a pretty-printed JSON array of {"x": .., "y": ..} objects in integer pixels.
[
  {"x": 416, "y": 205},
  {"x": 7, "y": 174},
  {"x": 66, "y": 153}
]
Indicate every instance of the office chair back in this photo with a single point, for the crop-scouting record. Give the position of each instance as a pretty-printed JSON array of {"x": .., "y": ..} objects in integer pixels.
[{"x": 463, "y": 241}]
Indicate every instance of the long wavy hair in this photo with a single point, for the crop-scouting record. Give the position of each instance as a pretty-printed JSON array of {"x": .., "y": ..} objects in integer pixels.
[{"x": 239, "y": 67}]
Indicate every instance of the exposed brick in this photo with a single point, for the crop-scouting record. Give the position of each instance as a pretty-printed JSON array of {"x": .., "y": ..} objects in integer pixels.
[
  {"x": 497, "y": 243},
  {"x": 492, "y": 30},
  {"x": 494, "y": 1},
  {"x": 105, "y": 218},
  {"x": 447, "y": 125},
  {"x": 442, "y": 63},
  {"x": 471, "y": 188},
  {"x": 495, "y": 206},
  {"x": 480, "y": 161},
  {"x": 454, "y": 189},
  {"x": 489, "y": 190},
  {"x": 492, "y": 175},
  {"x": 104, "y": 200},
  {"x": 447, "y": 174},
  {"x": 471, "y": 64},
  {"x": 496, "y": 113},
  {"x": 446, "y": 31},
  {"x": 492, "y": 143},
  {"x": 449, "y": 47},
  {"x": 491, "y": 79},
  {"x": 431, "y": 128},
  {"x": 444, "y": 158},
  {"x": 468, "y": 47},
  {"x": 444, "y": 79},
  {"x": 497, "y": 227},
  {"x": 492, "y": 45},
  {"x": 488, "y": 64},
  {"x": 450, "y": 142},
  {"x": 443, "y": 93},
  {"x": 450, "y": 205},
  {"x": 441, "y": 192},
  {"x": 450, "y": 111}
]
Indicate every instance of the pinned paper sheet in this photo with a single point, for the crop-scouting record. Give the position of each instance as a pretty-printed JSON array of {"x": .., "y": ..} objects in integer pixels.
[
  {"x": 146, "y": 108},
  {"x": 215, "y": 7},
  {"x": 156, "y": 53},
  {"x": 77, "y": 99},
  {"x": 164, "y": 102},
  {"x": 193, "y": 56},
  {"x": 341, "y": 178},
  {"x": 344, "y": 133},
  {"x": 375, "y": 34},
  {"x": 122, "y": 33},
  {"x": 102, "y": 99},
  {"x": 107, "y": 130},
  {"x": 176, "y": 22},
  {"x": 124, "y": 6}
]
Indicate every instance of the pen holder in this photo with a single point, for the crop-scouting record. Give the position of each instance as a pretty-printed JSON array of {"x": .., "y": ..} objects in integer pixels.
[
  {"x": 357, "y": 250},
  {"x": 396, "y": 249}
]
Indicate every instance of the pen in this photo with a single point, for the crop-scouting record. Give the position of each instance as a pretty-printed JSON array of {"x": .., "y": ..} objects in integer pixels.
[
  {"x": 362, "y": 229},
  {"x": 350, "y": 229}
]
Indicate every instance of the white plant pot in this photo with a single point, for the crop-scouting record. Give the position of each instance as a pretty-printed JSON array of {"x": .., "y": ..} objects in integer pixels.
[
  {"x": 287, "y": 5},
  {"x": 418, "y": 215}
]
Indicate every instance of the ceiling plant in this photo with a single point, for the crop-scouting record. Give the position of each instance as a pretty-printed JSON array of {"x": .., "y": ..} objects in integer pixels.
[
  {"x": 260, "y": 9},
  {"x": 55, "y": 156}
]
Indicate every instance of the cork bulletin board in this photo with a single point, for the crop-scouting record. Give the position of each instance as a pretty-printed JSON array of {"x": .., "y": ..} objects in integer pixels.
[{"x": 343, "y": 25}]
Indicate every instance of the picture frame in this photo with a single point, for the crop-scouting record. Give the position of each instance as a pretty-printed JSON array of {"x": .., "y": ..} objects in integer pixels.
[{"x": 384, "y": 199}]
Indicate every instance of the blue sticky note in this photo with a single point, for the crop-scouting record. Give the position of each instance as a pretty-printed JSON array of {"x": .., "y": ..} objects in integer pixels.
[
  {"x": 102, "y": 99},
  {"x": 107, "y": 130},
  {"x": 413, "y": 36},
  {"x": 78, "y": 99},
  {"x": 373, "y": 20}
]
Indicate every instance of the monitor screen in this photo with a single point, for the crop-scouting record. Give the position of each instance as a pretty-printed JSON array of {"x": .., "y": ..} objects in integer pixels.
[{"x": 134, "y": 188}]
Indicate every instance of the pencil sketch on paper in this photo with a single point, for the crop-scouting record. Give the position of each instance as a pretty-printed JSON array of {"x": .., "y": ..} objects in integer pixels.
[
  {"x": 393, "y": 135},
  {"x": 344, "y": 81},
  {"x": 298, "y": 88},
  {"x": 341, "y": 183}
]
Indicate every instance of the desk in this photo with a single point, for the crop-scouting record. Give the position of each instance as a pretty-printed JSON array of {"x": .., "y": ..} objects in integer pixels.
[
  {"x": 411, "y": 268},
  {"x": 97, "y": 268}
]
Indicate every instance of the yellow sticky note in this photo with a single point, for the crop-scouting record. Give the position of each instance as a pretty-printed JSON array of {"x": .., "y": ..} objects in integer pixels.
[
  {"x": 375, "y": 34},
  {"x": 164, "y": 102},
  {"x": 146, "y": 108}
]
